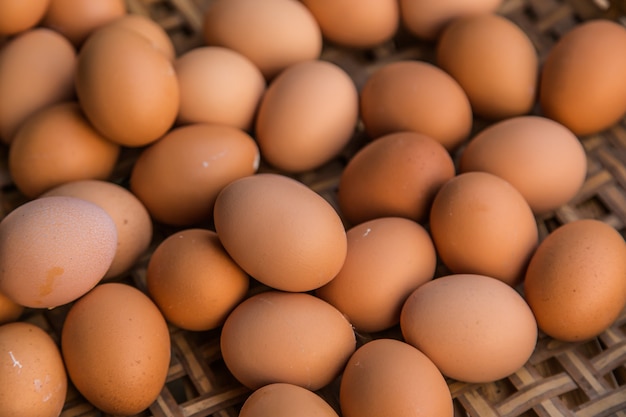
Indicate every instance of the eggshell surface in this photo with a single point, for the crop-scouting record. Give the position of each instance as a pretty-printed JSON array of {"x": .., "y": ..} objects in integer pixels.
[
  {"x": 9, "y": 309},
  {"x": 390, "y": 377},
  {"x": 286, "y": 337},
  {"x": 53, "y": 250},
  {"x": 473, "y": 327},
  {"x": 481, "y": 224},
  {"x": 17, "y": 16},
  {"x": 575, "y": 280},
  {"x": 541, "y": 158},
  {"x": 116, "y": 347},
  {"x": 387, "y": 259},
  {"x": 34, "y": 382},
  {"x": 280, "y": 232},
  {"x": 285, "y": 400}
]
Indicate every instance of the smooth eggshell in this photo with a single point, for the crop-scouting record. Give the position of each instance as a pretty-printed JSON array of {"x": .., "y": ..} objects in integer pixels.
[
  {"x": 116, "y": 347},
  {"x": 495, "y": 63},
  {"x": 481, "y": 224},
  {"x": 194, "y": 281},
  {"x": 286, "y": 337},
  {"x": 575, "y": 280},
  {"x": 523, "y": 151},
  {"x": 218, "y": 85},
  {"x": 58, "y": 145},
  {"x": 132, "y": 220},
  {"x": 150, "y": 30},
  {"x": 53, "y": 250},
  {"x": 285, "y": 400},
  {"x": 273, "y": 34},
  {"x": 280, "y": 232},
  {"x": 179, "y": 176},
  {"x": 582, "y": 79},
  {"x": 387, "y": 259},
  {"x": 37, "y": 69},
  {"x": 307, "y": 116},
  {"x": 435, "y": 105},
  {"x": 126, "y": 87},
  {"x": 473, "y": 327},
  {"x": 18, "y": 15},
  {"x": 395, "y": 175},
  {"x": 387, "y": 377},
  {"x": 9, "y": 309},
  {"x": 34, "y": 381}
]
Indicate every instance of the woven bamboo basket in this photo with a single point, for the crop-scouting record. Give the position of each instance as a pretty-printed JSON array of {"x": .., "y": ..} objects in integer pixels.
[{"x": 586, "y": 379}]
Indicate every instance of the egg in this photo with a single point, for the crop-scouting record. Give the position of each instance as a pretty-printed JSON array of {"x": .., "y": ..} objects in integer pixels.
[
  {"x": 575, "y": 280},
  {"x": 9, "y": 310},
  {"x": 582, "y": 79},
  {"x": 495, "y": 63},
  {"x": 34, "y": 381},
  {"x": 293, "y": 338},
  {"x": 473, "y": 327},
  {"x": 58, "y": 145},
  {"x": 391, "y": 377},
  {"x": 18, "y": 16},
  {"x": 132, "y": 221},
  {"x": 387, "y": 259},
  {"x": 285, "y": 400},
  {"x": 307, "y": 116},
  {"x": 273, "y": 34},
  {"x": 60, "y": 248},
  {"x": 194, "y": 281},
  {"x": 435, "y": 104},
  {"x": 148, "y": 29},
  {"x": 396, "y": 175},
  {"x": 189, "y": 166},
  {"x": 481, "y": 224},
  {"x": 541, "y": 158},
  {"x": 37, "y": 69},
  {"x": 218, "y": 85},
  {"x": 76, "y": 19},
  {"x": 280, "y": 232},
  {"x": 356, "y": 23},
  {"x": 116, "y": 347},
  {"x": 426, "y": 19},
  {"x": 126, "y": 87}
]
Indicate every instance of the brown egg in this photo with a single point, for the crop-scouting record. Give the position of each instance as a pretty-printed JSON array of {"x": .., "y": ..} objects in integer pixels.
[
  {"x": 582, "y": 81},
  {"x": 387, "y": 259},
  {"x": 126, "y": 87},
  {"x": 178, "y": 177},
  {"x": 356, "y": 23},
  {"x": 58, "y": 145},
  {"x": 435, "y": 105},
  {"x": 76, "y": 19},
  {"x": 18, "y": 15},
  {"x": 218, "y": 85},
  {"x": 523, "y": 151},
  {"x": 280, "y": 232},
  {"x": 132, "y": 220},
  {"x": 494, "y": 61},
  {"x": 285, "y": 400},
  {"x": 53, "y": 250},
  {"x": 9, "y": 310},
  {"x": 273, "y": 34},
  {"x": 286, "y": 337},
  {"x": 473, "y": 327},
  {"x": 426, "y": 19},
  {"x": 395, "y": 175},
  {"x": 194, "y": 281},
  {"x": 37, "y": 69},
  {"x": 307, "y": 116},
  {"x": 148, "y": 29},
  {"x": 116, "y": 347},
  {"x": 481, "y": 224},
  {"x": 34, "y": 382},
  {"x": 575, "y": 280},
  {"x": 387, "y": 377}
]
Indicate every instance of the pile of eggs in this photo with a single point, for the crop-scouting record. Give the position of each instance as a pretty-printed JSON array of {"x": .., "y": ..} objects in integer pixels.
[{"x": 288, "y": 278}]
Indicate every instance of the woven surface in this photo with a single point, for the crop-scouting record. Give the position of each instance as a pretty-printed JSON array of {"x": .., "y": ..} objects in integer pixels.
[{"x": 560, "y": 379}]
